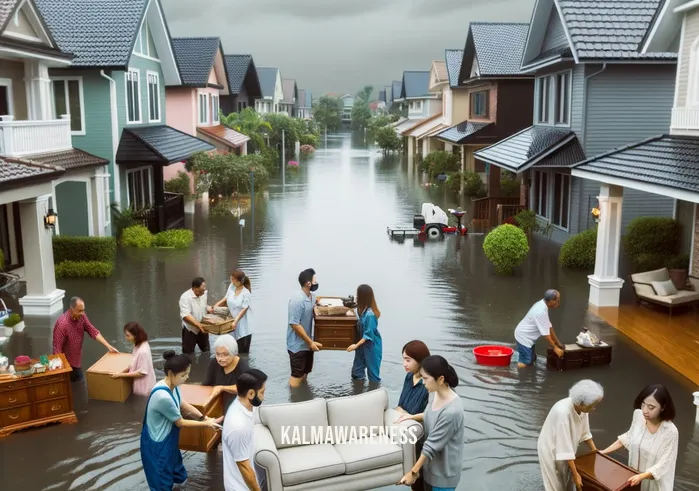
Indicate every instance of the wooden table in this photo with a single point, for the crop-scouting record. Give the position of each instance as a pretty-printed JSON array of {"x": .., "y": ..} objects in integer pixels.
[
  {"x": 38, "y": 400},
  {"x": 334, "y": 332},
  {"x": 201, "y": 439},
  {"x": 603, "y": 473},
  {"x": 579, "y": 357},
  {"x": 101, "y": 385}
]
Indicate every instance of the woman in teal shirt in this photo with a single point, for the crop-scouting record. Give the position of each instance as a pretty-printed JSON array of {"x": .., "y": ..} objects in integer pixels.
[{"x": 369, "y": 349}]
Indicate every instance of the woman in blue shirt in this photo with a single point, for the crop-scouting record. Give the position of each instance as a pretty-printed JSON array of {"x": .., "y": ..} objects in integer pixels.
[{"x": 369, "y": 349}]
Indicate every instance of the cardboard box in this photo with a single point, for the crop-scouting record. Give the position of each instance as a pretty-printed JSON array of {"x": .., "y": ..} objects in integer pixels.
[
  {"x": 100, "y": 384},
  {"x": 201, "y": 439},
  {"x": 603, "y": 473}
]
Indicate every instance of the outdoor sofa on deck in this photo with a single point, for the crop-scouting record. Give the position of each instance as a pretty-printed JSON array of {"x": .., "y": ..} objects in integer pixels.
[{"x": 649, "y": 288}]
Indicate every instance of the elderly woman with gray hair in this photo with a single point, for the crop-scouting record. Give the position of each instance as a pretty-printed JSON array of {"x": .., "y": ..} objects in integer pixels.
[
  {"x": 566, "y": 426},
  {"x": 225, "y": 369}
]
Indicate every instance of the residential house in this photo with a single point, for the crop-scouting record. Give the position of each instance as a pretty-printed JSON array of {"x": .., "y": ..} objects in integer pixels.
[
  {"x": 423, "y": 132},
  {"x": 663, "y": 167},
  {"x": 347, "y": 105},
  {"x": 422, "y": 106},
  {"x": 396, "y": 101},
  {"x": 116, "y": 86},
  {"x": 272, "y": 91},
  {"x": 377, "y": 107},
  {"x": 243, "y": 84},
  {"x": 305, "y": 104},
  {"x": 388, "y": 94},
  {"x": 595, "y": 90},
  {"x": 290, "y": 97}
]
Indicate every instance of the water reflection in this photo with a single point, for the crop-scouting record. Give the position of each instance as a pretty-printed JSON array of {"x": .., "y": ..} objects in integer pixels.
[{"x": 332, "y": 215}]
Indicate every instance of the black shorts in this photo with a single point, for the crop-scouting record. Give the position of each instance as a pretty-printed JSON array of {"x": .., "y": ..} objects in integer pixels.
[
  {"x": 190, "y": 341},
  {"x": 301, "y": 363}
]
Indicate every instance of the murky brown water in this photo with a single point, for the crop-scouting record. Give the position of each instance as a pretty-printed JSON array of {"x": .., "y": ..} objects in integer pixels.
[{"x": 332, "y": 216}]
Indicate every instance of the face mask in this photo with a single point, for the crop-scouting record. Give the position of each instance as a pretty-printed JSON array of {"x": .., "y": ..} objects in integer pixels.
[
  {"x": 256, "y": 401},
  {"x": 314, "y": 287}
]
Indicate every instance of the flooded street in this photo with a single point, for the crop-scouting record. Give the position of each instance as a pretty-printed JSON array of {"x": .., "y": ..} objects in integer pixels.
[{"x": 332, "y": 215}]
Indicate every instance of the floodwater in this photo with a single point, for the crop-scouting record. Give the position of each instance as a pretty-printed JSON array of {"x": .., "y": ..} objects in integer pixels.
[{"x": 332, "y": 215}]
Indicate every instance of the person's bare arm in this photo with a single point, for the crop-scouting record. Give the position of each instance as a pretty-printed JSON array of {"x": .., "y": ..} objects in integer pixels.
[
  {"x": 248, "y": 474},
  {"x": 555, "y": 338},
  {"x": 591, "y": 445},
  {"x": 301, "y": 332},
  {"x": 128, "y": 375},
  {"x": 613, "y": 447},
  {"x": 577, "y": 479},
  {"x": 104, "y": 343},
  {"x": 191, "y": 423},
  {"x": 190, "y": 411}
]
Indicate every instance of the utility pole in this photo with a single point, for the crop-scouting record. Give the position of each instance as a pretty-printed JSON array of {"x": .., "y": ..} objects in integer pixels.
[{"x": 283, "y": 160}]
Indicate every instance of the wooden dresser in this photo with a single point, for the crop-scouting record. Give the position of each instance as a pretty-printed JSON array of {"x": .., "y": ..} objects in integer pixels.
[
  {"x": 603, "y": 473},
  {"x": 576, "y": 356},
  {"x": 334, "y": 332},
  {"x": 201, "y": 439},
  {"x": 37, "y": 400}
]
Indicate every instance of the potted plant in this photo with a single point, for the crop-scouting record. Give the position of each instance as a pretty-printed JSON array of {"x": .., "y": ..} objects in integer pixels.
[
  {"x": 12, "y": 323},
  {"x": 678, "y": 267}
]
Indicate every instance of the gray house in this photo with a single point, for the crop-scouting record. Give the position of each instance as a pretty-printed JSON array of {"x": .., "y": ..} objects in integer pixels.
[
  {"x": 595, "y": 90},
  {"x": 243, "y": 84}
]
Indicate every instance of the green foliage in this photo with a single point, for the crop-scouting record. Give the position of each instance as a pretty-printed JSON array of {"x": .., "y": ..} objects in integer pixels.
[
  {"x": 121, "y": 219},
  {"x": 84, "y": 269},
  {"x": 327, "y": 113},
  {"x": 309, "y": 139},
  {"x": 181, "y": 184},
  {"x": 137, "y": 236},
  {"x": 230, "y": 173},
  {"x": 526, "y": 220},
  {"x": 680, "y": 261},
  {"x": 361, "y": 114},
  {"x": 509, "y": 185},
  {"x": 365, "y": 93},
  {"x": 579, "y": 251},
  {"x": 473, "y": 185},
  {"x": 221, "y": 208},
  {"x": 648, "y": 262},
  {"x": 293, "y": 129},
  {"x": 249, "y": 122},
  {"x": 506, "y": 247},
  {"x": 178, "y": 238},
  {"x": 652, "y": 235},
  {"x": 454, "y": 181},
  {"x": 387, "y": 139},
  {"x": 439, "y": 162},
  {"x": 12, "y": 320},
  {"x": 83, "y": 249}
]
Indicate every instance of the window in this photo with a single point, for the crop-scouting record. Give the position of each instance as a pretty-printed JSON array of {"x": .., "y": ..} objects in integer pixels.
[
  {"x": 140, "y": 188},
  {"x": 561, "y": 200},
  {"x": 543, "y": 99},
  {"x": 554, "y": 99},
  {"x": 153, "y": 97},
  {"x": 541, "y": 190},
  {"x": 214, "y": 108},
  {"x": 133, "y": 97},
  {"x": 107, "y": 202},
  {"x": 562, "y": 106},
  {"x": 68, "y": 99},
  {"x": 203, "y": 109},
  {"x": 551, "y": 197},
  {"x": 479, "y": 104}
]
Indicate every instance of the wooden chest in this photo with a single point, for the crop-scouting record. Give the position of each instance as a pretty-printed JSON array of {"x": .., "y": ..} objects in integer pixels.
[
  {"x": 37, "y": 400},
  {"x": 201, "y": 439},
  {"x": 100, "y": 384},
  {"x": 578, "y": 357},
  {"x": 603, "y": 473},
  {"x": 334, "y": 332}
]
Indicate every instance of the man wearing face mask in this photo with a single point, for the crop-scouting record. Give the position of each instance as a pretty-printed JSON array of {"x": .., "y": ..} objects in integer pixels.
[
  {"x": 299, "y": 333},
  {"x": 239, "y": 470}
]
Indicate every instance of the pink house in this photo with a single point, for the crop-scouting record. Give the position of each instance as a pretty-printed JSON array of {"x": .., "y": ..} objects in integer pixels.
[{"x": 193, "y": 107}]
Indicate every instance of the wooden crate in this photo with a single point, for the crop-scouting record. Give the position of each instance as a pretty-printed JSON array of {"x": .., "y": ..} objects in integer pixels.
[
  {"x": 578, "y": 357},
  {"x": 201, "y": 439},
  {"x": 603, "y": 473},
  {"x": 334, "y": 332},
  {"x": 100, "y": 384}
]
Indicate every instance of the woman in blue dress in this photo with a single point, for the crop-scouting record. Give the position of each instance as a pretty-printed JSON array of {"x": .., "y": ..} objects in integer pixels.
[
  {"x": 165, "y": 415},
  {"x": 369, "y": 349}
]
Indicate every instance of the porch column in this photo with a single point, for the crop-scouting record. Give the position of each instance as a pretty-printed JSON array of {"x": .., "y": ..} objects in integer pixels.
[
  {"x": 411, "y": 146},
  {"x": 605, "y": 284},
  {"x": 244, "y": 149},
  {"x": 463, "y": 169},
  {"x": 38, "y": 86},
  {"x": 98, "y": 217},
  {"x": 494, "y": 181},
  {"x": 42, "y": 298},
  {"x": 524, "y": 189}
]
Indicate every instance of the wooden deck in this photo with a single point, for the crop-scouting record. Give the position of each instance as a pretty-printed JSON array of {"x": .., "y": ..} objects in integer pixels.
[{"x": 674, "y": 340}]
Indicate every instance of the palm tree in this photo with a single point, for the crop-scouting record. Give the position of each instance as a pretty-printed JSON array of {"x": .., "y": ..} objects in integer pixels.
[{"x": 250, "y": 123}]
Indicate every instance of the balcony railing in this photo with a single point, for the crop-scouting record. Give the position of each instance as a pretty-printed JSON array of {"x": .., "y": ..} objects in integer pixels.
[
  {"x": 160, "y": 218},
  {"x": 486, "y": 209},
  {"x": 685, "y": 118},
  {"x": 27, "y": 137}
]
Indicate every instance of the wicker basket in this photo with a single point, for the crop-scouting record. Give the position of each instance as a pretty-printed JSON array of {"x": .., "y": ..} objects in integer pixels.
[
  {"x": 219, "y": 328},
  {"x": 334, "y": 310}
]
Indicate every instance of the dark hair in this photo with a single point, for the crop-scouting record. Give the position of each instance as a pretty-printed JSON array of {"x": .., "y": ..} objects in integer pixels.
[
  {"x": 366, "y": 299},
  {"x": 305, "y": 276},
  {"x": 137, "y": 331},
  {"x": 175, "y": 363},
  {"x": 417, "y": 350},
  {"x": 252, "y": 379},
  {"x": 437, "y": 366},
  {"x": 660, "y": 394},
  {"x": 197, "y": 282},
  {"x": 240, "y": 276}
]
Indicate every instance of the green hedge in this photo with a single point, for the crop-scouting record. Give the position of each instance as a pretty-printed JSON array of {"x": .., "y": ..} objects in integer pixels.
[
  {"x": 84, "y": 249},
  {"x": 652, "y": 235},
  {"x": 140, "y": 237},
  {"x": 579, "y": 251},
  {"x": 84, "y": 269},
  {"x": 137, "y": 236},
  {"x": 506, "y": 247}
]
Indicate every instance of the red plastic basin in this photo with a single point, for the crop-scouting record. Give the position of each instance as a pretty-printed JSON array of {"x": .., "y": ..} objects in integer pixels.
[{"x": 493, "y": 355}]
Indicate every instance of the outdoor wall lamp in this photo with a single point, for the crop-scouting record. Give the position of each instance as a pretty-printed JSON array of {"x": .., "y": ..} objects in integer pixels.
[
  {"x": 595, "y": 214},
  {"x": 50, "y": 219}
]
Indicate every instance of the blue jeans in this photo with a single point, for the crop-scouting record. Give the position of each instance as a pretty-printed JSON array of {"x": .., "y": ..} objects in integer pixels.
[
  {"x": 527, "y": 356},
  {"x": 443, "y": 489}
]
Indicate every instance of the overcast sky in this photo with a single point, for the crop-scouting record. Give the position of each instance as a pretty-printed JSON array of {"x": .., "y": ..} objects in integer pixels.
[{"x": 339, "y": 45}]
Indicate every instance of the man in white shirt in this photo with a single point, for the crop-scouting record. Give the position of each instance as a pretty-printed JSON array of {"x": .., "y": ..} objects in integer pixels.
[
  {"x": 239, "y": 470},
  {"x": 192, "y": 311},
  {"x": 534, "y": 325}
]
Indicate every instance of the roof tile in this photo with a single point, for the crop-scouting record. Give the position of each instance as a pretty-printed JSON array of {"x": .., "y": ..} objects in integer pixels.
[
  {"x": 499, "y": 47},
  {"x": 237, "y": 67},
  {"x": 453, "y": 58},
  {"x": 268, "y": 80},
  {"x": 416, "y": 84},
  {"x": 195, "y": 58},
  {"x": 6, "y": 9}
]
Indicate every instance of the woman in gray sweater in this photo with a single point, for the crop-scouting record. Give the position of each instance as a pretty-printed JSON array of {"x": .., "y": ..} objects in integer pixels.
[{"x": 443, "y": 419}]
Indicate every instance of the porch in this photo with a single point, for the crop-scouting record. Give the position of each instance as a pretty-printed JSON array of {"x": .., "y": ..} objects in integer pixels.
[{"x": 172, "y": 213}]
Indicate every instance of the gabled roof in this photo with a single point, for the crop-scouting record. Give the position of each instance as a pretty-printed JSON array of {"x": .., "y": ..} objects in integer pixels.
[
  {"x": 15, "y": 173},
  {"x": 158, "y": 144},
  {"x": 268, "y": 80},
  {"x": 290, "y": 90},
  {"x": 666, "y": 26},
  {"x": 496, "y": 48},
  {"x": 440, "y": 69},
  {"x": 67, "y": 159},
  {"x": 7, "y": 9},
  {"x": 195, "y": 58},
  {"x": 238, "y": 67},
  {"x": 460, "y": 133},
  {"x": 224, "y": 135},
  {"x": 396, "y": 90},
  {"x": 48, "y": 45},
  {"x": 453, "y": 58},
  {"x": 415, "y": 85},
  {"x": 301, "y": 101}
]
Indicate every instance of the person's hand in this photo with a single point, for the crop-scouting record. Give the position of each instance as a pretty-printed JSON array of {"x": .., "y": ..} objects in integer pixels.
[
  {"x": 635, "y": 480},
  {"x": 211, "y": 423},
  {"x": 404, "y": 417},
  {"x": 577, "y": 479},
  {"x": 112, "y": 349},
  {"x": 559, "y": 352},
  {"x": 116, "y": 375},
  {"x": 408, "y": 479},
  {"x": 351, "y": 347},
  {"x": 209, "y": 309},
  {"x": 316, "y": 346}
]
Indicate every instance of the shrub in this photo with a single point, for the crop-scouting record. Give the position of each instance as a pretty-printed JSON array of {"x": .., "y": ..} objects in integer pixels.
[
  {"x": 681, "y": 261},
  {"x": 181, "y": 184},
  {"x": 121, "y": 219},
  {"x": 509, "y": 185},
  {"x": 648, "y": 262},
  {"x": 652, "y": 235},
  {"x": 84, "y": 249},
  {"x": 526, "y": 220},
  {"x": 12, "y": 320},
  {"x": 137, "y": 236},
  {"x": 439, "y": 162},
  {"x": 579, "y": 251},
  {"x": 506, "y": 247},
  {"x": 307, "y": 149},
  {"x": 454, "y": 181},
  {"x": 178, "y": 238},
  {"x": 309, "y": 139},
  {"x": 84, "y": 269},
  {"x": 473, "y": 185}
]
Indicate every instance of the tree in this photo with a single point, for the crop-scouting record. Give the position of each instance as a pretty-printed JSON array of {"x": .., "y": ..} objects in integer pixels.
[
  {"x": 365, "y": 93},
  {"x": 249, "y": 122},
  {"x": 361, "y": 114},
  {"x": 388, "y": 140},
  {"x": 327, "y": 113}
]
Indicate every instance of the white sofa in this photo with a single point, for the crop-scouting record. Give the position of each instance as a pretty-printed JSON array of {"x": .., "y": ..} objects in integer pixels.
[
  {"x": 350, "y": 466},
  {"x": 643, "y": 287}
]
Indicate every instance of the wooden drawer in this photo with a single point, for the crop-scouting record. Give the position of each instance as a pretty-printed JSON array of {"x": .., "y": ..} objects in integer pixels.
[
  {"x": 341, "y": 333},
  {"x": 17, "y": 384},
  {"x": 50, "y": 391},
  {"x": 335, "y": 321},
  {"x": 334, "y": 344},
  {"x": 34, "y": 381},
  {"x": 14, "y": 398},
  {"x": 15, "y": 416},
  {"x": 52, "y": 408}
]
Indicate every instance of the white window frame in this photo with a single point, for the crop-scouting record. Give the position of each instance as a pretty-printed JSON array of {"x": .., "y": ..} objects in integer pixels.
[
  {"x": 203, "y": 103},
  {"x": 7, "y": 82},
  {"x": 552, "y": 110},
  {"x": 65, "y": 80},
  {"x": 138, "y": 95},
  {"x": 156, "y": 76},
  {"x": 151, "y": 194},
  {"x": 215, "y": 107},
  {"x": 138, "y": 48},
  {"x": 567, "y": 98},
  {"x": 542, "y": 116},
  {"x": 550, "y": 196}
]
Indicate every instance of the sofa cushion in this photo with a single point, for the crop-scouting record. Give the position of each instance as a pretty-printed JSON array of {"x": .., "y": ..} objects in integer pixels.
[
  {"x": 650, "y": 276},
  {"x": 294, "y": 423},
  {"x": 643, "y": 290},
  {"x": 310, "y": 463},
  {"x": 682, "y": 296},
  {"x": 664, "y": 288},
  {"x": 362, "y": 411},
  {"x": 365, "y": 455}
]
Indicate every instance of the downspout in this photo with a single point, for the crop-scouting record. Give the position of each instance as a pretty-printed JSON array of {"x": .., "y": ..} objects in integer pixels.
[{"x": 115, "y": 136}]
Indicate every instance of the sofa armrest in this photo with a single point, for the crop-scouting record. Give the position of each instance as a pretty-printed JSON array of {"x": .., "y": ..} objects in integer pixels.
[
  {"x": 413, "y": 432},
  {"x": 267, "y": 457}
]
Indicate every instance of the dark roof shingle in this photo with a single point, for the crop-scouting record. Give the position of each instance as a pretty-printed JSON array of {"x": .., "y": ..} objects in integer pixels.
[
  {"x": 237, "y": 67},
  {"x": 268, "y": 80},
  {"x": 7, "y": 8},
  {"x": 195, "y": 58},
  {"x": 162, "y": 144},
  {"x": 453, "y": 58},
  {"x": 68, "y": 159},
  {"x": 416, "y": 84},
  {"x": 14, "y": 171},
  {"x": 498, "y": 47},
  {"x": 460, "y": 132}
]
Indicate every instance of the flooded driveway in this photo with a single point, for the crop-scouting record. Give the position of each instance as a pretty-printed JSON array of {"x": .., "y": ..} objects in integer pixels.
[{"x": 332, "y": 216}]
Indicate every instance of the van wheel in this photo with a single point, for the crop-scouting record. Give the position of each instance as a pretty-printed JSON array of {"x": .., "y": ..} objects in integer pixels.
[{"x": 434, "y": 232}]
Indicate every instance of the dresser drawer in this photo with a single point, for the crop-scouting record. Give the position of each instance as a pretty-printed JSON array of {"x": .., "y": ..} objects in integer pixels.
[
  {"x": 15, "y": 416},
  {"x": 52, "y": 408},
  {"x": 50, "y": 391},
  {"x": 14, "y": 398},
  {"x": 340, "y": 332},
  {"x": 17, "y": 384}
]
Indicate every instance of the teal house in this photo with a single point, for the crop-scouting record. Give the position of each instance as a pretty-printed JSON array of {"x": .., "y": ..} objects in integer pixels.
[{"x": 114, "y": 92}]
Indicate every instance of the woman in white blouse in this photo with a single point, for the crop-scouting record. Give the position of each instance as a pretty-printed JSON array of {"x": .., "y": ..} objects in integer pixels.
[
  {"x": 651, "y": 440},
  {"x": 238, "y": 301}
]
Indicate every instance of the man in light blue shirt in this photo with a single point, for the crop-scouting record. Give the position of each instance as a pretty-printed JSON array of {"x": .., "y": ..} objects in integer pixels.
[{"x": 299, "y": 333}]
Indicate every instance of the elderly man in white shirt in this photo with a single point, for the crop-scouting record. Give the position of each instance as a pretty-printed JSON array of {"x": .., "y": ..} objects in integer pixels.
[
  {"x": 534, "y": 325},
  {"x": 192, "y": 311}
]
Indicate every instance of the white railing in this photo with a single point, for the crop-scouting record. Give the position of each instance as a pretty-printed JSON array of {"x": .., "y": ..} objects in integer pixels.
[
  {"x": 685, "y": 118},
  {"x": 21, "y": 138}
]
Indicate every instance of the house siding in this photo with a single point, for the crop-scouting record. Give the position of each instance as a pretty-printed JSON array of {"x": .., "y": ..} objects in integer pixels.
[
  {"x": 72, "y": 202},
  {"x": 577, "y": 94},
  {"x": 555, "y": 34},
  {"x": 691, "y": 33}
]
